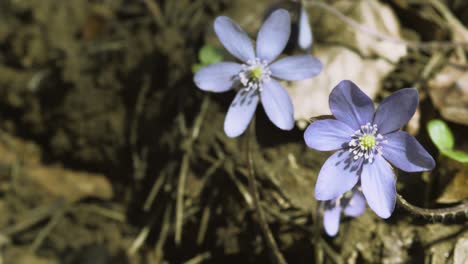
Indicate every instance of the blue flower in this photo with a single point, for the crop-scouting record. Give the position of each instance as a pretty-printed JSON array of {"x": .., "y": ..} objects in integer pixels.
[
  {"x": 351, "y": 204},
  {"x": 254, "y": 75},
  {"x": 366, "y": 143}
]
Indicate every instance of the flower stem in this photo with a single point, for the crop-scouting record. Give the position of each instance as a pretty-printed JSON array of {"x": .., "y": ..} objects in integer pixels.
[
  {"x": 266, "y": 232},
  {"x": 437, "y": 215}
]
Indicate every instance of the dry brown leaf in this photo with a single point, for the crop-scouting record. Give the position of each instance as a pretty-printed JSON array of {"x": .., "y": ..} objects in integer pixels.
[
  {"x": 449, "y": 93},
  {"x": 71, "y": 185},
  {"x": 457, "y": 189},
  {"x": 361, "y": 58},
  {"x": 461, "y": 251},
  {"x": 66, "y": 183}
]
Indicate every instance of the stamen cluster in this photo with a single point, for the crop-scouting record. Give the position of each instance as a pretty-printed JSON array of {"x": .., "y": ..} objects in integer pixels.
[
  {"x": 365, "y": 142},
  {"x": 253, "y": 74}
]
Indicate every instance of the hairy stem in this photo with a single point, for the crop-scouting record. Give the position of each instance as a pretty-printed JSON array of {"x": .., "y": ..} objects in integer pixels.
[
  {"x": 439, "y": 215},
  {"x": 266, "y": 232}
]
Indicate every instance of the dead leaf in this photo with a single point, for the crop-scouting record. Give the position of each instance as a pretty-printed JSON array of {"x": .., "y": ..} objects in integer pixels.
[
  {"x": 356, "y": 56},
  {"x": 461, "y": 251},
  {"x": 310, "y": 97},
  {"x": 71, "y": 185},
  {"x": 449, "y": 93},
  {"x": 54, "y": 179},
  {"x": 457, "y": 189}
]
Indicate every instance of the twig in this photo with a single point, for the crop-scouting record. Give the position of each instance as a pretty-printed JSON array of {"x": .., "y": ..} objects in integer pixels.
[
  {"x": 58, "y": 215},
  {"x": 380, "y": 36},
  {"x": 163, "y": 235},
  {"x": 434, "y": 214},
  {"x": 267, "y": 235},
  {"x": 334, "y": 256},
  {"x": 158, "y": 183},
  {"x": 155, "y": 10},
  {"x": 138, "y": 242},
  {"x": 184, "y": 170},
  {"x": 36, "y": 216},
  {"x": 138, "y": 159},
  {"x": 199, "y": 258}
]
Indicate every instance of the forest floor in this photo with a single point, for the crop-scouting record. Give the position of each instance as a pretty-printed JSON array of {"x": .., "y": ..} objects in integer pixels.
[{"x": 110, "y": 154}]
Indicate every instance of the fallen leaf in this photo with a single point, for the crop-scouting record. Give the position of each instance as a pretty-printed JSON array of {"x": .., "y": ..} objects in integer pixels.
[
  {"x": 355, "y": 55},
  {"x": 449, "y": 93},
  {"x": 460, "y": 253},
  {"x": 69, "y": 184},
  {"x": 457, "y": 189}
]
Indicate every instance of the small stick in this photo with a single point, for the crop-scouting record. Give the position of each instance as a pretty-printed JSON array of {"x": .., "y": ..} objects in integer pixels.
[
  {"x": 138, "y": 159},
  {"x": 58, "y": 215},
  {"x": 159, "y": 252},
  {"x": 155, "y": 10},
  {"x": 35, "y": 217},
  {"x": 267, "y": 235},
  {"x": 199, "y": 258},
  {"x": 184, "y": 170},
  {"x": 158, "y": 183}
]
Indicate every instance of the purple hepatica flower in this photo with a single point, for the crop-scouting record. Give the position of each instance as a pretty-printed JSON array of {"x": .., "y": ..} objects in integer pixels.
[
  {"x": 366, "y": 142},
  {"x": 351, "y": 204},
  {"x": 254, "y": 76}
]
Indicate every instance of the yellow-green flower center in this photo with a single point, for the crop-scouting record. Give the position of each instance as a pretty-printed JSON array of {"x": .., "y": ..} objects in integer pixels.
[
  {"x": 256, "y": 73},
  {"x": 368, "y": 141}
]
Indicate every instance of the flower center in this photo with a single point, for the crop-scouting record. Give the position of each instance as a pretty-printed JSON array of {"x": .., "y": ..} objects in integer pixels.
[
  {"x": 256, "y": 73},
  {"x": 366, "y": 142},
  {"x": 253, "y": 74}
]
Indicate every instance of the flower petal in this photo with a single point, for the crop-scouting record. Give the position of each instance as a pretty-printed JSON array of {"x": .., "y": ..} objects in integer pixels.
[
  {"x": 326, "y": 135},
  {"x": 356, "y": 206},
  {"x": 405, "y": 152},
  {"x": 217, "y": 77},
  {"x": 396, "y": 110},
  {"x": 331, "y": 220},
  {"x": 305, "y": 38},
  {"x": 350, "y": 105},
  {"x": 240, "y": 113},
  {"x": 273, "y": 35},
  {"x": 378, "y": 186},
  {"x": 234, "y": 38},
  {"x": 277, "y": 105},
  {"x": 295, "y": 68},
  {"x": 338, "y": 175}
]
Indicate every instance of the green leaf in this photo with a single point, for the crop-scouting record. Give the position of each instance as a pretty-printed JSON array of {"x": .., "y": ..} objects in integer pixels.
[
  {"x": 457, "y": 155},
  {"x": 209, "y": 55},
  {"x": 196, "y": 67},
  {"x": 440, "y": 134}
]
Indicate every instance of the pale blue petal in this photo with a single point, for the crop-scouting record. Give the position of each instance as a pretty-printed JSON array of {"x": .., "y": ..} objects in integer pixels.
[
  {"x": 326, "y": 135},
  {"x": 295, "y": 68},
  {"x": 331, "y": 220},
  {"x": 405, "y": 152},
  {"x": 396, "y": 110},
  {"x": 273, "y": 35},
  {"x": 350, "y": 105},
  {"x": 338, "y": 175},
  {"x": 305, "y": 38},
  {"x": 277, "y": 105},
  {"x": 240, "y": 113},
  {"x": 378, "y": 186},
  {"x": 356, "y": 206},
  {"x": 234, "y": 39},
  {"x": 218, "y": 77}
]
